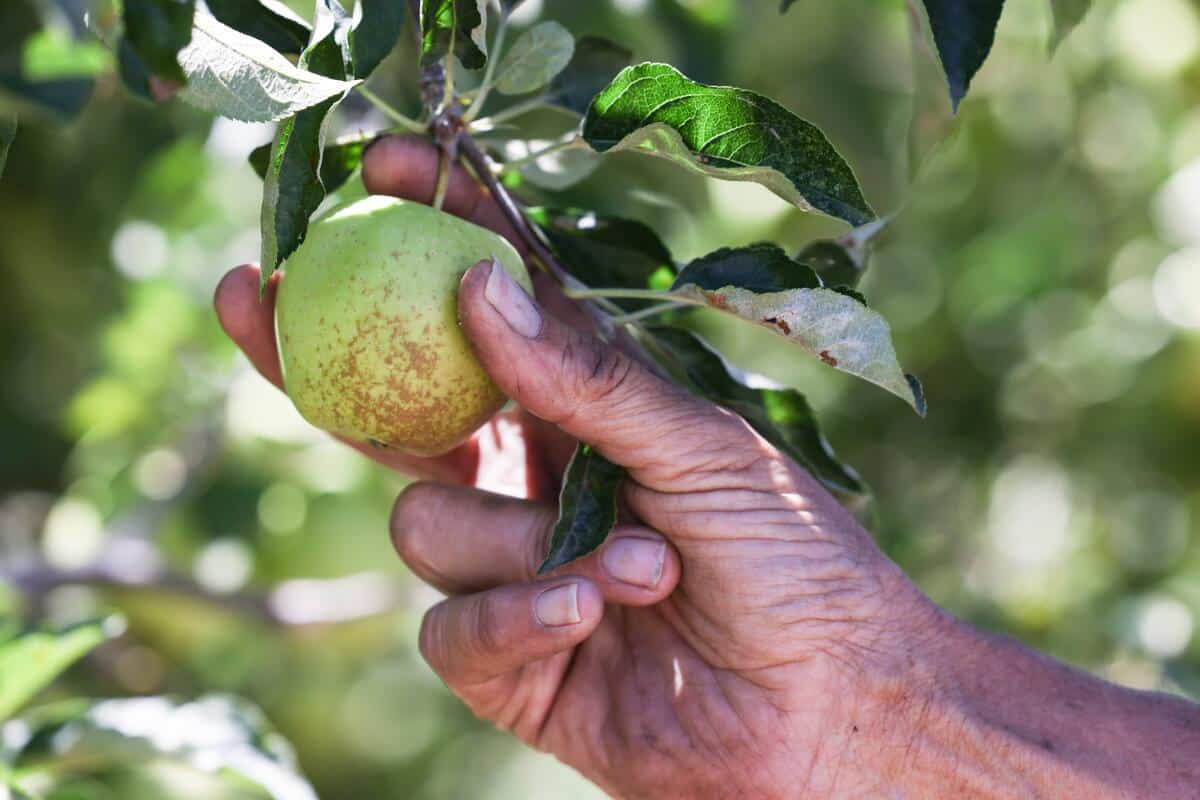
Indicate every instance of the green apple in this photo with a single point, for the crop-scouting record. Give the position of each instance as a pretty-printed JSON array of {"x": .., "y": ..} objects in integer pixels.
[{"x": 367, "y": 325}]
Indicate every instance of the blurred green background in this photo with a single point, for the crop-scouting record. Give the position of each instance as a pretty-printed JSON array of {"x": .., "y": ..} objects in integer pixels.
[{"x": 1043, "y": 279}]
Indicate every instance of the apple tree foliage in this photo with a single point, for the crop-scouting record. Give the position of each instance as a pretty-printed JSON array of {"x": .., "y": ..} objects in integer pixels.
[{"x": 257, "y": 60}]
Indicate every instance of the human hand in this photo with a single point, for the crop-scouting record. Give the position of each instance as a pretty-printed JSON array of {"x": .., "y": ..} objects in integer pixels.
[
  {"x": 732, "y": 643},
  {"x": 407, "y": 167}
]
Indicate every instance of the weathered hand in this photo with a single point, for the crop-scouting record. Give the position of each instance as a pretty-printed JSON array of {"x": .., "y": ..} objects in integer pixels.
[
  {"x": 407, "y": 167},
  {"x": 729, "y": 647}
]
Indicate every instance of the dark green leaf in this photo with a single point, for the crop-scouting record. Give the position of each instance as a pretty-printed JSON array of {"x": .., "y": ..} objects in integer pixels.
[
  {"x": 964, "y": 31},
  {"x": 293, "y": 188},
  {"x": 454, "y": 27},
  {"x": 725, "y": 133},
  {"x": 133, "y": 72},
  {"x": 830, "y": 259},
  {"x": 338, "y": 162},
  {"x": 759, "y": 268},
  {"x": 587, "y": 508},
  {"x": 782, "y": 417},
  {"x": 785, "y": 5},
  {"x": 595, "y": 63},
  {"x": 8, "y": 132},
  {"x": 267, "y": 20},
  {"x": 157, "y": 30},
  {"x": 32, "y": 662},
  {"x": 66, "y": 97},
  {"x": 1067, "y": 15},
  {"x": 377, "y": 27},
  {"x": 607, "y": 252}
]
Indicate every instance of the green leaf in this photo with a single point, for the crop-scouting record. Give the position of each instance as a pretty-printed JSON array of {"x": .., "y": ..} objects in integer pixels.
[
  {"x": 781, "y": 416},
  {"x": 32, "y": 662},
  {"x": 534, "y": 59},
  {"x": 964, "y": 31},
  {"x": 237, "y": 76},
  {"x": 338, "y": 161},
  {"x": 52, "y": 54},
  {"x": 8, "y": 132},
  {"x": 834, "y": 326},
  {"x": 270, "y": 21},
  {"x": 758, "y": 268},
  {"x": 593, "y": 66},
  {"x": 1067, "y": 16},
  {"x": 293, "y": 188},
  {"x": 587, "y": 508},
  {"x": 157, "y": 30},
  {"x": 454, "y": 27},
  {"x": 725, "y": 133},
  {"x": 375, "y": 31},
  {"x": 557, "y": 170},
  {"x": 607, "y": 251},
  {"x": 133, "y": 72},
  {"x": 222, "y": 735}
]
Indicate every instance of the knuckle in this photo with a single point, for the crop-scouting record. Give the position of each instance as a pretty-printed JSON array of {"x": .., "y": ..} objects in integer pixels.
[
  {"x": 486, "y": 634},
  {"x": 431, "y": 641},
  {"x": 598, "y": 374}
]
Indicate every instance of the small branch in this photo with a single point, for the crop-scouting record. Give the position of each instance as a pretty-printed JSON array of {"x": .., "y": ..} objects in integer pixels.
[
  {"x": 409, "y": 124},
  {"x": 443, "y": 181}
]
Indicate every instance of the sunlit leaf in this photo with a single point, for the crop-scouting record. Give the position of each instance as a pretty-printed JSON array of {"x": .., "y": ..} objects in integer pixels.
[
  {"x": 52, "y": 54},
  {"x": 216, "y": 734},
  {"x": 725, "y": 133},
  {"x": 607, "y": 251},
  {"x": 534, "y": 59},
  {"x": 293, "y": 187},
  {"x": 593, "y": 66},
  {"x": 831, "y": 325},
  {"x": 237, "y": 76},
  {"x": 587, "y": 508},
  {"x": 454, "y": 27},
  {"x": 32, "y": 662},
  {"x": 8, "y": 132},
  {"x": 268, "y": 20},
  {"x": 781, "y": 416},
  {"x": 157, "y": 30},
  {"x": 964, "y": 31}
]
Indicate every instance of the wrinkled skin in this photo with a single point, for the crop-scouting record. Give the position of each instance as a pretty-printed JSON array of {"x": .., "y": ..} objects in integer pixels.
[{"x": 740, "y": 635}]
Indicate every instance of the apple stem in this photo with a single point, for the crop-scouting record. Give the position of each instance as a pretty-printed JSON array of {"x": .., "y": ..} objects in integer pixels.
[
  {"x": 646, "y": 313},
  {"x": 443, "y": 181}
]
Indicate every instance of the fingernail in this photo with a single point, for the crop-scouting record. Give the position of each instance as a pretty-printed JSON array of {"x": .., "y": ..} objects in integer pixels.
[
  {"x": 512, "y": 302},
  {"x": 558, "y": 607},
  {"x": 635, "y": 561}
]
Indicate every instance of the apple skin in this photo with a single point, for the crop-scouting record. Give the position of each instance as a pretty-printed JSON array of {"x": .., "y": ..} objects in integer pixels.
[{"x": 367, "y": 325}]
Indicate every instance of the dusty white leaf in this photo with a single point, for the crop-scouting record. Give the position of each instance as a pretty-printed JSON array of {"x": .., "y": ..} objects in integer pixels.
[
  {"x": 834, "y": 327},
  {"x": 536, "y": 58},
  {"x": 237, "y": 76}
]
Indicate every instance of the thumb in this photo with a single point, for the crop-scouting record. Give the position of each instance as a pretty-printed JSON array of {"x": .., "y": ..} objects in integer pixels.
[{"x": 664, "y": 435}]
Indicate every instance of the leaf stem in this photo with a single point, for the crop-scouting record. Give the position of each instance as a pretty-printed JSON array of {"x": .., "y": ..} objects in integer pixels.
[
  {"x": 485, "y": 88},
  {"x": 646, "y": 313},
  {"x": 511, "y": 112},
  {"x": 407, "y": 123},
  {"x": 623, "y": 294}
]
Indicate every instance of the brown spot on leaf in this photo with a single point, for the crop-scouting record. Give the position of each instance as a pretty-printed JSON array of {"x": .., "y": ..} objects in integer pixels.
[
  {"x": 779, "y": 323},
  {"x": 828, "y": 359}
]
